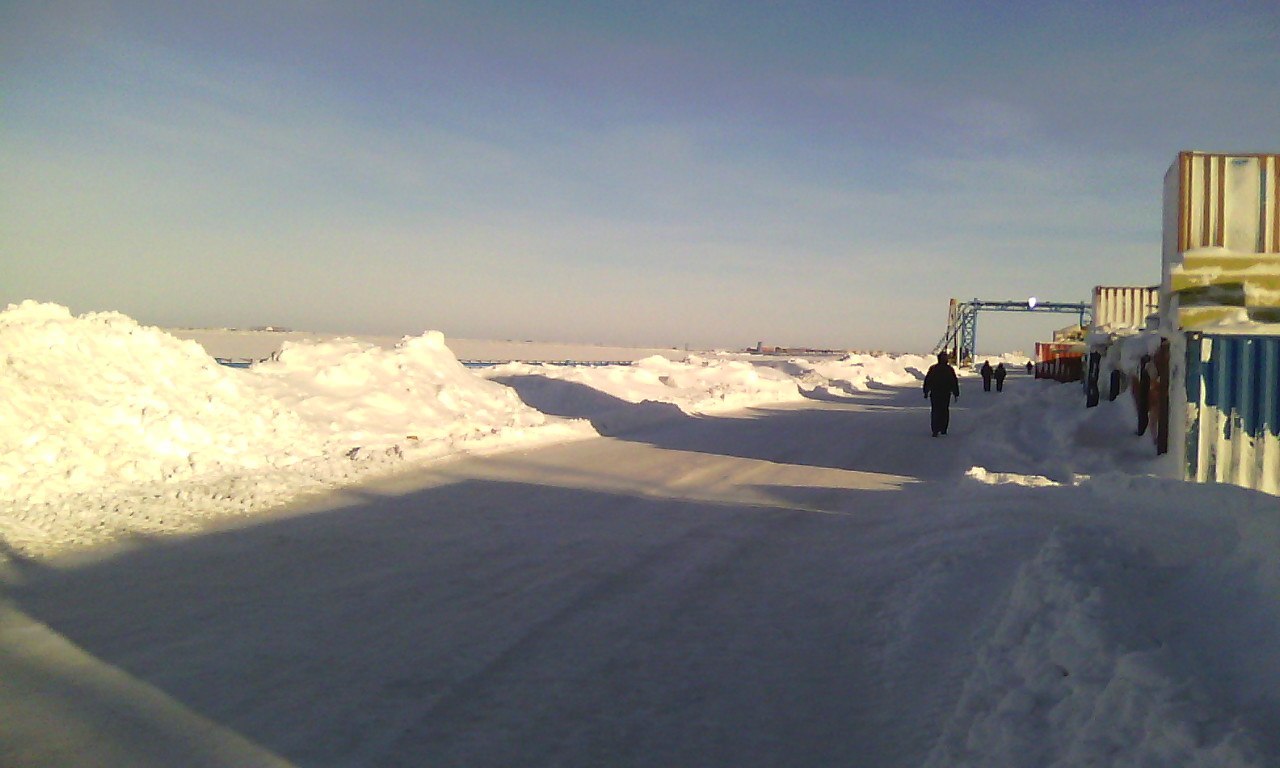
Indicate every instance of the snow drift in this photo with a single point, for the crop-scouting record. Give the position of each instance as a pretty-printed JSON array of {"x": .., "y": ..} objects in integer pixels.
[{"x": 110, "y": 427}]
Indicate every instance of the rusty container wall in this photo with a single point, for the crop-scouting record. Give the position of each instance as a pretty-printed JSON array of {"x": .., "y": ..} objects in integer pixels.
[
  {"x": 1124, "y": 307},
  {"x": 1060, "y": 361},
  {"x": 1233, "y": 408},
  {"x": 1052, "y": 350}
]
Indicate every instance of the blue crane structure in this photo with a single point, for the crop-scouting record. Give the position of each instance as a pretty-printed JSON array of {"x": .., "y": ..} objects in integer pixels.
[{"x": 960, "y": 340}]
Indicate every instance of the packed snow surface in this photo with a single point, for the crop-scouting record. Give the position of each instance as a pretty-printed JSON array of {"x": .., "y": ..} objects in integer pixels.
[{"x": 714, "y": 561}]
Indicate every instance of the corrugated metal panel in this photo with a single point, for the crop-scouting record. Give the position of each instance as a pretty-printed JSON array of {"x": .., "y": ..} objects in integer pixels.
[
  {"x": 1124, "y": 306},
  {"x": 1233, "y": 399}
]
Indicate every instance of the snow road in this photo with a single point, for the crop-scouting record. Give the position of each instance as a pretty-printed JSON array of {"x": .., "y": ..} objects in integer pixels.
[{"x": 809, "y": 584}]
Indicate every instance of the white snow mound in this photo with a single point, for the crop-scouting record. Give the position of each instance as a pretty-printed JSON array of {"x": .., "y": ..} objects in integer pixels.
[{"x": 108, "y": 427}]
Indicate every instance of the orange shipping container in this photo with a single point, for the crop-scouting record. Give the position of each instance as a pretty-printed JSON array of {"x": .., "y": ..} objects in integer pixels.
[{"x": 1054, "y": 350}]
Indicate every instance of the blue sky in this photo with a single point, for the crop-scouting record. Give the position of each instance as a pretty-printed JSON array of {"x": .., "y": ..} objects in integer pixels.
[{"x": 648, "y": 173}]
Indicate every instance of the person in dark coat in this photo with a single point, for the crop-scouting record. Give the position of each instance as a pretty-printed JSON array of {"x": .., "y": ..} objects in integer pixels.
[
  {"x": 1030, "y": 367},
  {"x": 940, "y": 383},
  {"x": 985, "y": 370},
  {"x": 999, "y": 375}
]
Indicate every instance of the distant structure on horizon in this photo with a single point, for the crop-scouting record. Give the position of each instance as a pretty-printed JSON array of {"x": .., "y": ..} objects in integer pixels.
[{"x": 761, "y": 349}]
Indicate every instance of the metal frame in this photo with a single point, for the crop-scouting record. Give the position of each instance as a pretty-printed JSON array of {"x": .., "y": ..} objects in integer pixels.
[{"x": 960, "y": 340}]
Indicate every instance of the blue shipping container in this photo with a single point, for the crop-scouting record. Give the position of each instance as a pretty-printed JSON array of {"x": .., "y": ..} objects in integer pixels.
[{"x": 1233, "y": 399}]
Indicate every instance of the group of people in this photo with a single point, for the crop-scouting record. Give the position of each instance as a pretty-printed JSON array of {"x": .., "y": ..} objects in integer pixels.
[
  {"x": 988, "y": 373},
  {"x": 941, "y": 384}
]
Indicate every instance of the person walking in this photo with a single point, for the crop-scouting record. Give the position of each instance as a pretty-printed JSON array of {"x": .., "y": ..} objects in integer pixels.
[
  {"x": 999, "y": 375},
  {"x": 940, "y": 383},
  {"x": 985, "y": 370}
]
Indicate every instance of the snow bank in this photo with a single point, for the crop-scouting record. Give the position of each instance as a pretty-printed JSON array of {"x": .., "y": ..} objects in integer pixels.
[
  {"x": 1094, "y": 661},
  {"x": 417, "y": 394},
  {"x": 113, "y": 428},
  {"x": 1148, "y": 613},
  {"x": 98, "y": 403},
  {"x": 619, "y": 397},
  {"x": 1042, "y": 433},
  {"x": 860, "y": 373},
  {"x": 852, "y": 374},
  {"x": 110, "y": 428}
]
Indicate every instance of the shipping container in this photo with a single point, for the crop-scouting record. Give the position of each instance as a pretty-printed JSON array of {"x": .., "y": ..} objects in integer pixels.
[
  {"x": 1221, "y": 240},
  {"x": 1233, "y": 410},
  {"x": 1124, "y": 307},
  {"x": 1061, "y": 369},
  {"x": 1060, "y": 360},
  {"x": 1222, "y": 200},
  {"x": 1047, "y": 351}
]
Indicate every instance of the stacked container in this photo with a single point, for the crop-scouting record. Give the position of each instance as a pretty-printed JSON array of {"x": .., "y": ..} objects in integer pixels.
[
  {"x": 1220, "y": 310},
  {"x": 1118, "y": 308}
]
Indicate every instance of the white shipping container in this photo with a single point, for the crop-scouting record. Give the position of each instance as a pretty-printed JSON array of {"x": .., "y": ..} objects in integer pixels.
[
  {"x": 1124, "y": 307},
  {"x": 1224, "y": 201}
]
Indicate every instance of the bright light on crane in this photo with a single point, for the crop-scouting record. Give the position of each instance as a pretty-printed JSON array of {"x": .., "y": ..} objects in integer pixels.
[{"x": 1031, "y": 303}]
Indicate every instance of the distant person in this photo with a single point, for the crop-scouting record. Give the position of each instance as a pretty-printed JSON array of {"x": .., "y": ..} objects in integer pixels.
[
  {"x": 999, "y": 375},
  {"x": 1030, "y": 367},
  {"x": 986, "y": 372},
  {"x": 940, "y": 383}
]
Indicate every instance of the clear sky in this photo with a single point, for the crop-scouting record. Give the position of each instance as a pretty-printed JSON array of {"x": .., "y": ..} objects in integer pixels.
[{"x": 646, "y": 173}]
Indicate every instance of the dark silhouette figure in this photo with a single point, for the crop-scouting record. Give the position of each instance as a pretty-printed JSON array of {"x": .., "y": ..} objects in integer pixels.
[
  {"x": 940, "y": 383},
  {"x": 985, "y": 370},
  {"x": 1093, "y": 372},
  {"x": 999, "y": 375},
  {"x": 1030, "y": 367},
  {"x": 1142, "y": 394}
]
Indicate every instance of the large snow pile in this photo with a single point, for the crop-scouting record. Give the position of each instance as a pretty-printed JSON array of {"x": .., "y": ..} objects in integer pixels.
[
  {"x": 695, "y": 385},
  {"x": 96, "y": 403},
  {"x": 859, "y": 373},
  {"x": 417, "y": 395},
  {"x": 108, "y": 427},
  {"x": 616, "y": 397}
]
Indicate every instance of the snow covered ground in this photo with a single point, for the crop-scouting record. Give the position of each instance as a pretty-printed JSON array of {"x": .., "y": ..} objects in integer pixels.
[{"x": 362, "y": 555}]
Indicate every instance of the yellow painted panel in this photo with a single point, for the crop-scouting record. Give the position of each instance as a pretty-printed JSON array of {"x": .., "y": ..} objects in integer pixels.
[{"x": 1200, "y": 317}]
